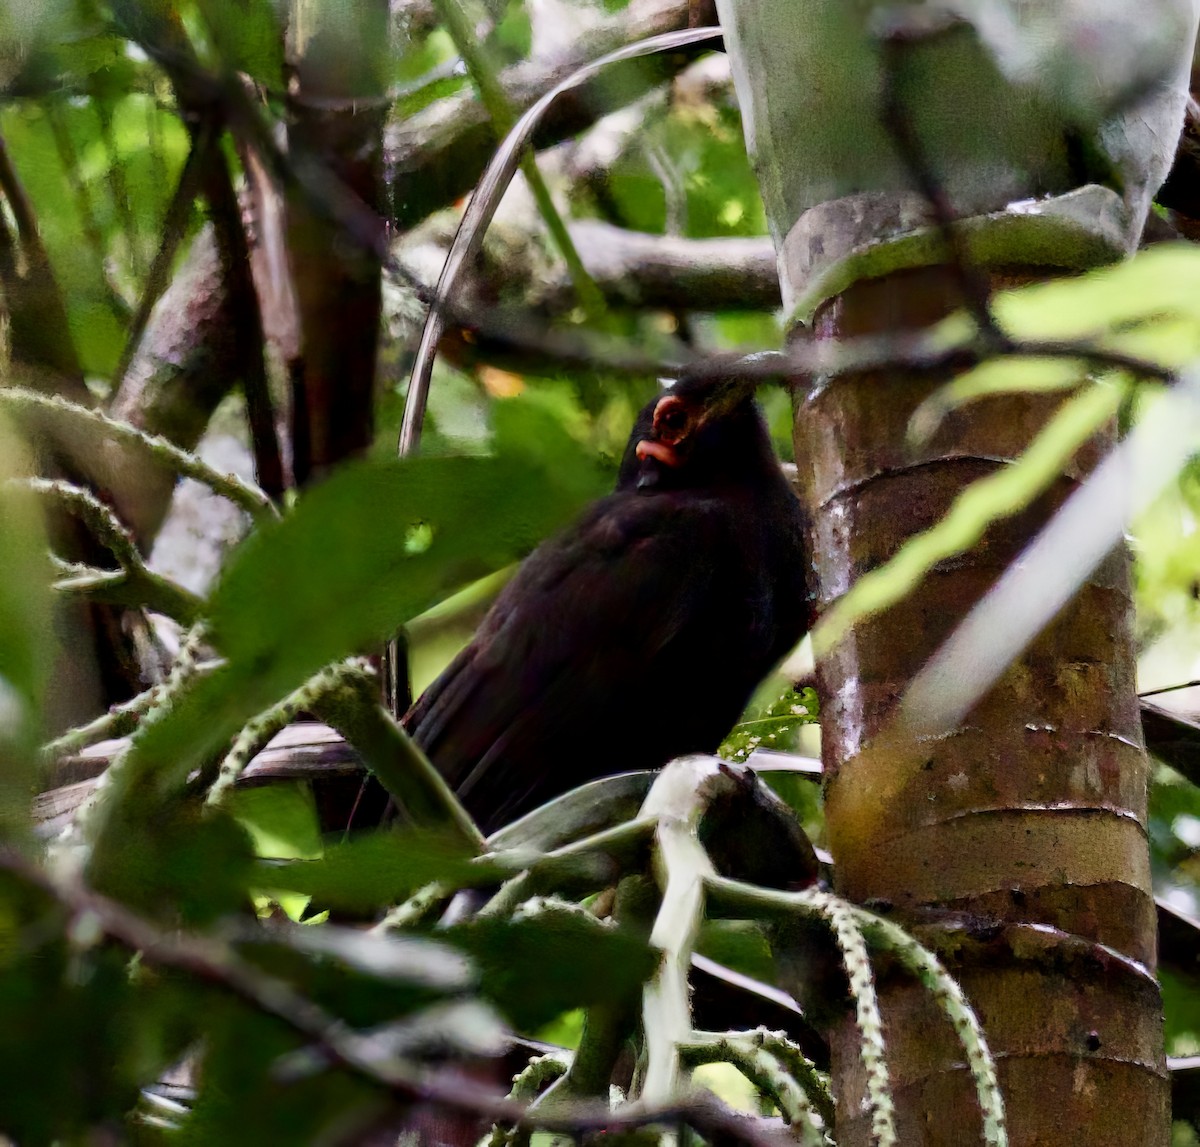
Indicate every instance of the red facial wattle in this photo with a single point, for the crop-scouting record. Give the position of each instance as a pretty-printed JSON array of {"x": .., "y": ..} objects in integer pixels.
[{"x": 659, "y": 451}]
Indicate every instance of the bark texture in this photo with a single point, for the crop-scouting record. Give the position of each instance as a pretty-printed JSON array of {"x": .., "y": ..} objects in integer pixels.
[
  {"x": 1017, "y": 846},
  {"x": 336, "y": 116}
]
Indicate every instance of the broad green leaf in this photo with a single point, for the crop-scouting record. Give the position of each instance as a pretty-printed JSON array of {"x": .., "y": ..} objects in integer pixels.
[
  {"x": 282, "y": 823},
  {"x": 248, "y": 37},
  {"x": 545, "y": 427},
  {"x": 379, "y": 869},
  {"x": 281, "y": 820},
  {"x": 740, "y": 945},
  {"x": 244, "y": 1099},
  {"x": 588, "y": 809},
  {"x": 363, "y": 979},
  {"x": 362, "y": 553},
  {"x": 371, "y": 547},
  {"x": 82, "y": 1030},
  {"x": 1161, "y": 281},
  {"x": 537, "y": 966},
  {"x": 415, "y": 960},
  {"x": 169, "y": 861}
]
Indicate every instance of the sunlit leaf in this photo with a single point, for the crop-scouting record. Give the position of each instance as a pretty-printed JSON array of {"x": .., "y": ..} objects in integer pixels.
[
  {"x": 1160, "y": 282},
  {"x": 771, "y": 721}
]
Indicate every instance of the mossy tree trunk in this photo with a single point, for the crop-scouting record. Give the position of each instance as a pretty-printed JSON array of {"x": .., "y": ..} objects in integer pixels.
[{"x": 1016, "y": 842}]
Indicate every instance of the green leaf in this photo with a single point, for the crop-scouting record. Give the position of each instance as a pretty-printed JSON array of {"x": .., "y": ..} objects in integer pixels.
[
  {"x": 588, "y": 809},
  {"x": 740, "y": 945},
  {"x": 1164, "y": 280},
  {"x": 368, "y": 549},
  {"x": 82, "y": 1029},
  {"x": 537, "y": 966},
  {"x": 281, "y": 820},
  {"x": 249, "y": 37},
  {"x": 363, "y": 979},
  {"x": 373, "y": 546},
  {"x": 379, "y": 869},
  {"x": 169, "y": 860},
  {"x": 244, "y": 1102},
  {"x": 772, "y": 720}
]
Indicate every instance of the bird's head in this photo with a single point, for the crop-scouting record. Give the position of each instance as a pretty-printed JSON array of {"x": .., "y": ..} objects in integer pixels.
[{"x": 700, "y": 432}]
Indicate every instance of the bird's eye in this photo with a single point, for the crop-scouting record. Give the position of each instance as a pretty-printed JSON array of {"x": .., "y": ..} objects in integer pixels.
[{"x": 672, "y": 419}]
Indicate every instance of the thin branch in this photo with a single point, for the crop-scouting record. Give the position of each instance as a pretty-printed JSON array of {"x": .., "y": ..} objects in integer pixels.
[
  {"x": 257, "y": 733},
  {"x": 1170, "y": 688},
  {"x": 757, "y": 1055},
  {"x": 246, "y": 309},
  {"x": 88, "y": 820},
  {"x": 597, "y": 861},
  {"x": 351, "y": 705},
  {"x": 241, "y": 493},
  {"x": 173, "y": 228},
  {"x": 119, "y": 721},
  {"x": 135, "y": 583}
]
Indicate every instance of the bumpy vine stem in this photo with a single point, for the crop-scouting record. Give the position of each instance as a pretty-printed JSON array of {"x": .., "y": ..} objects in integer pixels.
[{"x": 241, "y": 493}]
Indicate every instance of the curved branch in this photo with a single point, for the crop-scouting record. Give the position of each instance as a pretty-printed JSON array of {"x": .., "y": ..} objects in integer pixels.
[{"x": 436, "y": 156}]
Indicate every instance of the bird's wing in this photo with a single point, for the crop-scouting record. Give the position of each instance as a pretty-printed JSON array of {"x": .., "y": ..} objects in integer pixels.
[{"x": 594, "y": 608}]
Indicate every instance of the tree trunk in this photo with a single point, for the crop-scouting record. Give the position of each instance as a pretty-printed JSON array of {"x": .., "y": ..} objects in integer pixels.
[
  {"x": 1032, "y": 813},
  {"x": 1016, "y": 844},
  {"x": 337, "y": 104}
]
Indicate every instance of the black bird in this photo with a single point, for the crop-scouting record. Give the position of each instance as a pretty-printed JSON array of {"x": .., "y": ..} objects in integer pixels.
[{"x": 638, "y": 634}]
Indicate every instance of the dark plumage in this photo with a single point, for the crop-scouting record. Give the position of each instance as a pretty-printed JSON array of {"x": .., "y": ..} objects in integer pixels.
[{"x": 639, "y": 633}]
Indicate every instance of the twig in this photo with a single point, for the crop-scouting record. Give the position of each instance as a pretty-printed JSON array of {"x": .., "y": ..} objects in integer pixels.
[
  {"x": 949, "y": 997},
  {"x": 245, "y": 306},
  {"x": 422, "y": 907},
  {"x": 241, "y": 493},
  {"x": 134, "y": 583},
  {"x": 172, "y": 231},
  {"x": 854, "y": 925},
  {"x": 1169, "y": 688},
  {"x": 87, "y": 823},
  {"x": 351, "y": 706},
  {"x": 255, "y": 736},
  {"x": 596, "y": 861},
  {"x": 754, "y": 1054},
  {"x": 119, "y": 721},
  {"x": 857, "y": 962}
]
